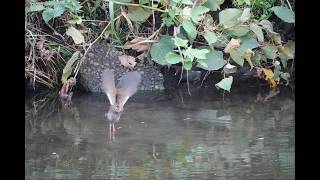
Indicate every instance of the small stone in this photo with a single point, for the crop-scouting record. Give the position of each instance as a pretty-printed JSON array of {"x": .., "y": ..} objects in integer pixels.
[
  {"x": 90, "y": 55},
  {"x": 96, "y": 64}
]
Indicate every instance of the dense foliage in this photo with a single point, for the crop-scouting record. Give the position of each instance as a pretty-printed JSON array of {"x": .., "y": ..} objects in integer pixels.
[{"x": 190, "y": 33}]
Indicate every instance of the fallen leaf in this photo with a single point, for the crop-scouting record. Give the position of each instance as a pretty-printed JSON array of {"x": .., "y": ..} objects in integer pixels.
[
  {"x": 233, "y": 43},
  {"x": 269, "y": 77},
  {"x": 76, "y": 35},
  {"x": 139, "y": 44},
  {"x": 127, "y": 61},
  {"x": 142, "y": 56}
]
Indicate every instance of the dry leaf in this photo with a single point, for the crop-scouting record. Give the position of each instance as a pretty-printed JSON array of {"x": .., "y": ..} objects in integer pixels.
[
  {"x": 234, "y": 43},
  {"x": 127, "y": 61},
  {"x": 247, "y": 55},
  {"x": 139, "y": 44},
  {"x": 269, "y": 77},
  {"x": 142, "y": 56}
]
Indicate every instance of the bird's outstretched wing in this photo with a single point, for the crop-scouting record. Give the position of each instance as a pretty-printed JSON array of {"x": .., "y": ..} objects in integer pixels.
[
  {"x": 108, "y": 85},
  {"x": 127, "y": 86}
]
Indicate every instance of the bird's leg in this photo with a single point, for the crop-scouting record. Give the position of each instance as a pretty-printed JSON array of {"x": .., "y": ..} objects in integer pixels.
[{"x": 114, "y": 129}]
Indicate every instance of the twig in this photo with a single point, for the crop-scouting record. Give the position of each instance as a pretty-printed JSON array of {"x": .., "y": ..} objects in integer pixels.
[
  {"x": 188, "y": 84},
  {"x": 138, "y": 5},
  {"x": 289, "y": 5}
]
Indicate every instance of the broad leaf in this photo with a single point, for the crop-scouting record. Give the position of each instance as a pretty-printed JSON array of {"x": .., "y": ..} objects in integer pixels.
[
  {"x": 180, "y": 42},
  {"x": 248, "y": 42},
  {"x": 76, "y": 35},
  {"x": 270, "y": 51},
  {"x": 187, "y": 65},
  {"x": 245, "y": 15},
  {"x": 229, "y": 17},
  {"x": 214, "y": 60},
  {"x": 173, "y": 58},
  {"x": 237, "y": 57},
  {"x": 229, "y": 68},
  {"x": 214, "y": 5},
  {"x": 190, "y": 28},
  {"x": 67, "y": 70},
  {"x": 159, "y": 50},
  {"x": 210, "y": 37},
  {"x": 36, "y": 7},
  {"x": 197, "y": 13},
  {"x": 225, "y": 83},
  {"x": 284, "y": 14},
  {"x": 202, "y": 63},
  {"x": 239, "y": 31},
  {"x": 196, "y": 53},
  {"x": 138, "y": 14},
  {"x": 258, "y": 31}
]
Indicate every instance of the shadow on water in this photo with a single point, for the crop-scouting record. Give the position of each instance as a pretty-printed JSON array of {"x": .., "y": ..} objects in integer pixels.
[{"x": 165, "y": 136}]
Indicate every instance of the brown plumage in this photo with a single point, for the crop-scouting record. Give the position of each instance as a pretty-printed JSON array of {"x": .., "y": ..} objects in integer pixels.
[{"x": 118, "y": 95}]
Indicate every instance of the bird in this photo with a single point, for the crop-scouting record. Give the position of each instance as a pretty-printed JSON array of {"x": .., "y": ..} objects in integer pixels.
[{"x": 118, "y": 95}]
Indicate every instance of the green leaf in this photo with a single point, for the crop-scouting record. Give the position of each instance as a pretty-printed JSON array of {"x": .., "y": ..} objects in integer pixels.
[
  {"x": 50, "y": 13},
  {"x": 257, "y": 58},
  {"x": 248, "y": 42},
  {"x": 246, "y": 14},
  {"x": 269, "y": 51},
  {"x": 138, "y": 14},
  {"x": 76, "y": 35},
  {"x": 285, "y": 76},
  {"x": 229, "y": 17},
  {"x": 267, "y": 25},
  {"x": 223, "y": 40},
  {"x": 213, "y": 5},
  {"x": 236, "y": 55},
  {"x": 258, "y": 31},
  {"x": 187, "y": 65},
  {"x": 284, "y": 14},
  {"x": 239, "y": 31},
  {"x": 225, "y": 83},
  {"x": 67, "y": 70},
  {"x": 73, "y": 5},
  {"x": 202, "y": 63},
  {"x": 36, "y": 7},
  {"x": 191, "y": 30},
  {"x": 210, "y": 37},
  {"x": 143, "y": 1},
  {"x": 197, "y": 13},
  {"x": 214, "y": 60},
  {"x": 196, "y": 53},
  {"x": 173, "y": 58},
  {"x": 75, "y": 20},
  {"x": 159, "y": 50},
  {"x": 187, "y": 2},
  {"x": 180, "y": 42}
]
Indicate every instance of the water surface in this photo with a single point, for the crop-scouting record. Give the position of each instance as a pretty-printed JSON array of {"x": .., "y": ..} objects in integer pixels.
[{"x": 163, "y": 136}]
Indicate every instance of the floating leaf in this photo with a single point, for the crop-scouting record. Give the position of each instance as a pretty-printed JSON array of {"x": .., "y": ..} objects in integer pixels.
[
  {"x": 284, "y": 13},
  {"x": 245, "y": 15},
  {"x": 190, "y": 28},
  {"x": 197, "y": 13},
  {"x": 229, "y": 17},
  {"x": 180, "y": 42},
  {"x": 196, "y": 53},
  {"x": 233, "y": 43},
  {"x": 269, "y": 51},
  {"x": 161, "y": 49},
  {"x": 173, "y": 58},
  {"x": 258, "y": 31},
  {"x": 138, "y": 14},
  {"x": 236, "y": 55},
  {"x": 75, "y": 34},
  {"x": 127, "y": 61},
  {"x": 214, "y": 60},
  {"x": 225, "y": 83},
  {"x": 210, "y": 37},
  {"x": 67, "y": 70}
]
